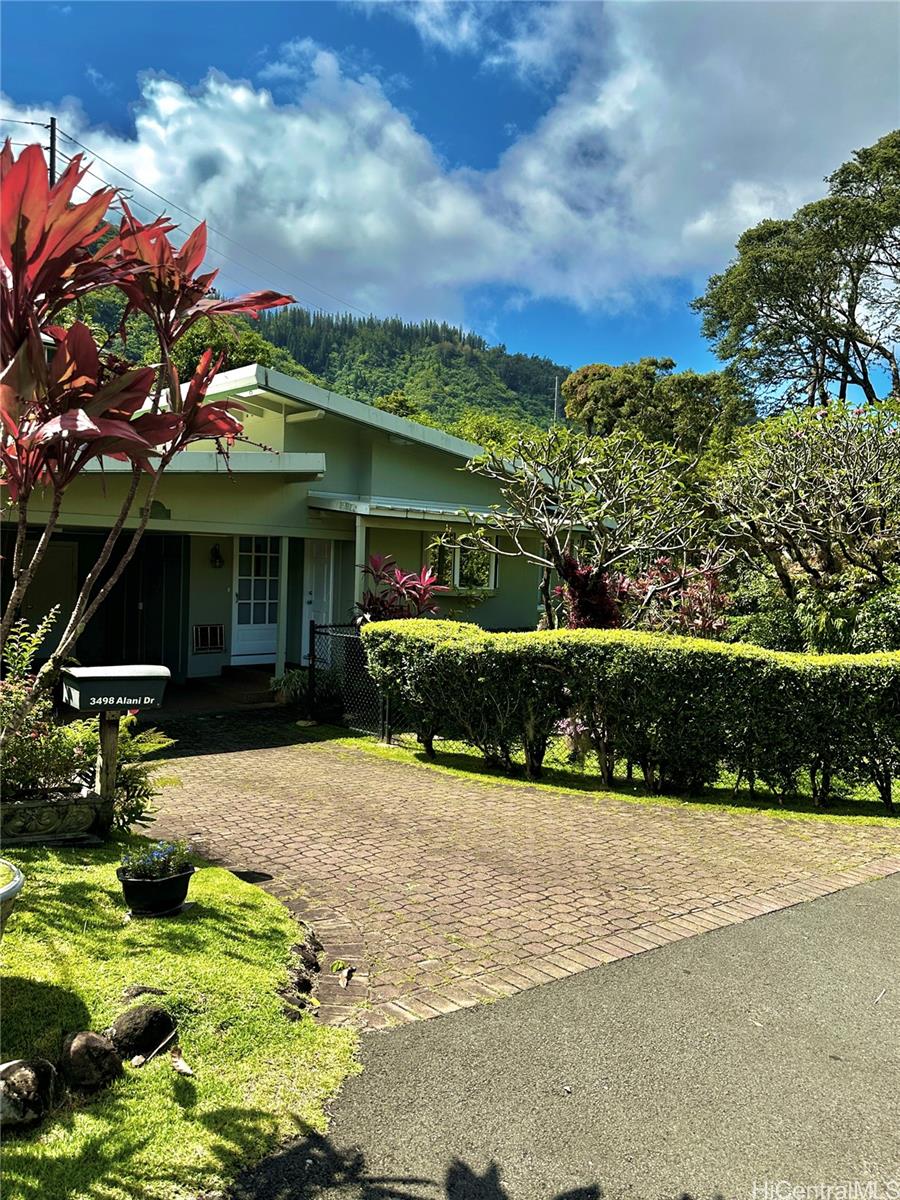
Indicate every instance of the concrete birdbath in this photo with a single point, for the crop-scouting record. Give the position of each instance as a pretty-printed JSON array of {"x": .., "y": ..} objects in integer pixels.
[{"x": 11, "y": 882}]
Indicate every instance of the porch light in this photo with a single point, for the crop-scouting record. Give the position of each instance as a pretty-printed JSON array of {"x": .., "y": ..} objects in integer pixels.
[{"x": 216, "y": 559}]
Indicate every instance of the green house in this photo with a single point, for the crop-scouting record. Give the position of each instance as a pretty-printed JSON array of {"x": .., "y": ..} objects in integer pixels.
[{"x": 237, "y": 562}]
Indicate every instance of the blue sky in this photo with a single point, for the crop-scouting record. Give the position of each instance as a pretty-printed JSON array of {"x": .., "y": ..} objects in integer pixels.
[{"x": 560, "y": 177}]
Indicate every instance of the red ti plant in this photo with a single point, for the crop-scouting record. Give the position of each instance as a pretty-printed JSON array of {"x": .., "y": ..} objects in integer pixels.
[
  {"x": 591, "y": 597},
  {"x": 61, "y": 412},
  {"x": 393, "y": 594},
  {"x": 691, "y": 601}
]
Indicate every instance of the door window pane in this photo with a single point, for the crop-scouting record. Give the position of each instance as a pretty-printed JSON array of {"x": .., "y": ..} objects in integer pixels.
[{"x": 257, "y": 583}]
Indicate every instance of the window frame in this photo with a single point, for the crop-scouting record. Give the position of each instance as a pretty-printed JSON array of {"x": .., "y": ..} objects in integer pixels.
[{"x": 455, "y": 563}]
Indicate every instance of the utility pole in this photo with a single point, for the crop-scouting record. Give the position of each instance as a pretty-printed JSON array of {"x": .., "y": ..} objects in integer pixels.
[
  {"x": 52, "y": 151},
  {"x": 555, "y": 399}
]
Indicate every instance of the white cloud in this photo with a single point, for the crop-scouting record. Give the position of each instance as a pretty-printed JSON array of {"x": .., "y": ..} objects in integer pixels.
[
  {"x": 454, "y": 25},
  {"x": 98, "y": 80},
  {"x": 677, "y": 126}
]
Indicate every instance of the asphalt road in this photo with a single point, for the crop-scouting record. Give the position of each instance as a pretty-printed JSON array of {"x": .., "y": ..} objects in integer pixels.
[{"x": 736, "y": 1064}]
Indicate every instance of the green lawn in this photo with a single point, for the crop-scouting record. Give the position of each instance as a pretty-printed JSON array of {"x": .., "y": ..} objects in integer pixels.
[
  {"x": 67, "y": 956},
  {"x": 857, "y": 806}
]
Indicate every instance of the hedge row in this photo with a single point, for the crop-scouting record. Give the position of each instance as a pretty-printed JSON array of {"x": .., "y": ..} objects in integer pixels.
[{"x": 682, "y": 709}]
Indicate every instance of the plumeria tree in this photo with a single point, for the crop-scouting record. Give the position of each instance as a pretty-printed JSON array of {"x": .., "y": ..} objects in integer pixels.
[
  {"x": 587, "y": 509},
  {"x": 816, "y": 494},
  {"x": 65, "y": 403}
]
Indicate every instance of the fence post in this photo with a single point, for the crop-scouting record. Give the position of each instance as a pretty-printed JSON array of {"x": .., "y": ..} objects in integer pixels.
[
  {"x": 312, "y": 671},
  {"x": 385, "y": 719}
]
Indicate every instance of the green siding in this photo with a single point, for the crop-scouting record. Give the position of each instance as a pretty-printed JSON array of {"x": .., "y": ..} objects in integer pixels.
[
  {"x": 210, "y": 600},
  {"x": 172, "y": 586}
]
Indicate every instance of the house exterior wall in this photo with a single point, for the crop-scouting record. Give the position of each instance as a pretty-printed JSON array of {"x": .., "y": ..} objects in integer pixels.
[
  {"x": 370, "y": 459},
  {"x": 210, "y": 603}
]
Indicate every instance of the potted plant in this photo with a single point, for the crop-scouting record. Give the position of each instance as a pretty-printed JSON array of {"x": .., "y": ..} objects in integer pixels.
[{"x": 155, "y": 878}]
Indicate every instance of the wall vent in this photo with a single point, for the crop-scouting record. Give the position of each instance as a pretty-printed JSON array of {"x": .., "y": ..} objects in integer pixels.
[{"x": 209, "y": 639}]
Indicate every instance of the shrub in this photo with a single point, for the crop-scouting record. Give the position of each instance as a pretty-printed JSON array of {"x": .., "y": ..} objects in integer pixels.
[
  {"x": 392, "y": 593},
  {"x": 320, "y": 700},
  {"x": 762, "y": 615},
  {"x": 43, "y": 758},
  {"x": 157, "y": 861},
  {"x": 683, "y": 709},
  {"x": 135, "y": 786}
]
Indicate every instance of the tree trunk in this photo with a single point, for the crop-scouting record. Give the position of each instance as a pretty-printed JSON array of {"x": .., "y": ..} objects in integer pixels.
[
  {"x": 549, "y": 615},
  {"x": 27, "y": 574}
]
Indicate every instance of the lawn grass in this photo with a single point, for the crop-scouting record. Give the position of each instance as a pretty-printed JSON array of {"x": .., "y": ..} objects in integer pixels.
[
  {"x": 68, "y": 953},
  {"x": 856, "y": 808}
]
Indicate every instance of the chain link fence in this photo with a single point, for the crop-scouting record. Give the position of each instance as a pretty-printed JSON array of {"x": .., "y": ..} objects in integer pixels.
[{"x": 341, "y": 688}]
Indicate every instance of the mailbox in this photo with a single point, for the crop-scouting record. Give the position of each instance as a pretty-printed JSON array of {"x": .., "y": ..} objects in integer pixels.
[{"x": 94, "y": 689}]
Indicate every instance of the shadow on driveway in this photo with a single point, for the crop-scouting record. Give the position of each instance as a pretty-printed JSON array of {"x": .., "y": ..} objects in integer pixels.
[{"x": 314, "y": 1166}]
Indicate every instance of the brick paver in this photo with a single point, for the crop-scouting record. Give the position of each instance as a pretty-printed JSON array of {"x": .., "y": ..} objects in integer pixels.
[{"x": 444, "y": 893}]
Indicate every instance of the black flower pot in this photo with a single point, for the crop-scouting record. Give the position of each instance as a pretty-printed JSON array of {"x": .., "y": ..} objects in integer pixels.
[{"x": 155, "y": 897}]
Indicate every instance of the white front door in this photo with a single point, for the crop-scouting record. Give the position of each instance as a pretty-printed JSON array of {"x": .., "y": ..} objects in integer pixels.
[
  {"x": 254, "y": 629},
  {"x": 318, "y": 569}
]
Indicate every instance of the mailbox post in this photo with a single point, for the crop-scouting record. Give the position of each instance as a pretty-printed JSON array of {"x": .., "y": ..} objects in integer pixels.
[{"x": 110, "y": 691}]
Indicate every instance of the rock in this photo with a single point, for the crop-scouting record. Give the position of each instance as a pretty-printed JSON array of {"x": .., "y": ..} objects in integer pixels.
[
  {"x": 27, "y": 1090},
  {"x": 141, "y": 989},
  {"x": 307, "y": 955},
  {"x": 301, "y": 978},
  {"x": 89, "y": 1061},
  {"x": 141, "y": 1030},
  {"x": 310, "y": 938}
]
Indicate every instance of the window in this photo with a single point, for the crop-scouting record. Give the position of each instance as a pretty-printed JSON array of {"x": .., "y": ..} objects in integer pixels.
[
  {"x": 257, "y": 580},
  {"x": 440, "y": 559},
  {"x": 464, "y": 568},
  {"x": 475, "y": 568}
]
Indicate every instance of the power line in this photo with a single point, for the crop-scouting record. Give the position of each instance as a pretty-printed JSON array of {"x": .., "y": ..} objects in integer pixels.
[
  {"x": 137, "y": 204},
  {"x": 218, "y": 232},
  {"x": 210, "y": 250},
  {"x": 19, "y": 121}
]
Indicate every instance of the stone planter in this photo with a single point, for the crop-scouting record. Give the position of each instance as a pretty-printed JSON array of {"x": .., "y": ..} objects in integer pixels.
[
  {"x": 155, "y": 897},
  {"x": 72, "y": 815},
  {"x": 11, "y": 882}
]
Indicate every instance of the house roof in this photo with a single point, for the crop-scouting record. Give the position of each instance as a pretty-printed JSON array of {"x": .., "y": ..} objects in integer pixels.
[
  {"x": 386, "y": 506},
  {"x": 256, "y": 383},
  {"x": 241, "y": 462}
]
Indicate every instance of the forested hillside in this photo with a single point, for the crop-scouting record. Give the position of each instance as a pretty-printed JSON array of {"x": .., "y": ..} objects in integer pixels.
[
  {"x": 434, "y": 373},
  {"x": 438, "y": 370}
]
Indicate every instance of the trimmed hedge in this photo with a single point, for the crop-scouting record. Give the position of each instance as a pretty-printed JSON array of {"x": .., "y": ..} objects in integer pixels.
[{"x": 683, "y": 709}]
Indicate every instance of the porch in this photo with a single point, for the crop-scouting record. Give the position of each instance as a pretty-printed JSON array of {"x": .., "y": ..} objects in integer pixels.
[{"x": 203, "y": 605}]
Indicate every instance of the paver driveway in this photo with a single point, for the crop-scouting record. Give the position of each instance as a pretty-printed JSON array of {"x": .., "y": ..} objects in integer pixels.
[{"x": 444, "y": 893}]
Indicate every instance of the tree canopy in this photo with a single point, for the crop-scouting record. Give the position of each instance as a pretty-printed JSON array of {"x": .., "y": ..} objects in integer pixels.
[
  {"x": 687, "y": 409},
  {"x": 810, "y": 307}
]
